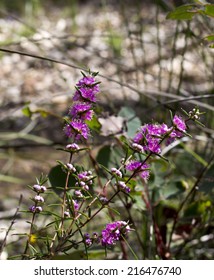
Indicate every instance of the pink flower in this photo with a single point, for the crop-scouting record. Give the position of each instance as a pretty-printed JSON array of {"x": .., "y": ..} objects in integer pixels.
[
  {"x": 88, "y": 81},
  {"x": 141, "y": 169},
  {"x": 81, "y": 111},
  {"x": 149, "y": 136},
  {"x": 179, "y": 129},
  {"x": 179, "y": 123},
  {"x": 113, "y": 232},
  {"x": 85, "y": 94},
  {"x": 77, "y": 129}
]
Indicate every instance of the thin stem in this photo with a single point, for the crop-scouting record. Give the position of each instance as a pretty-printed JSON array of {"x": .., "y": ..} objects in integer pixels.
[
  {"x": 29, "y": 235},
  {"x": 60, "y": 227},
  {"x": 139, "y": 168},
  {"x": 11, "y": 225},
  {"x": 64, "y": 195},
  {"x": 150, "y": 224},
  {"x": 99, "y": 194},
  {"x": 132, "y": 222},
  {"x": 130, "y": 248},
  {"x": 103, "y": 206},
  {"x": 69, "y": 230},
  {"x": 123, "y": 249},
  {"x": 96, "y": 168}
]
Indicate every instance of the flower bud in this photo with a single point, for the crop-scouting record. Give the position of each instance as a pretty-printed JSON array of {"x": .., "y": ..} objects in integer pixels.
[
  {"x": 71, "y": 167},
  {"x": 35, "y": 209},
  {"x": 78, "y": 193},
  {"x": 121, "y": 185},
  {"x": 39, "y": 198},
  {"x": 73, "y": 147},
  {"x": 137, "y": 147},
  {"x": 116, "y": 172},
  {"x": 37, "y": 188},
  {"x": 43, "y": 189},
  {"x": 66, "y": 214},
  {"x": 82, "y": 184}
]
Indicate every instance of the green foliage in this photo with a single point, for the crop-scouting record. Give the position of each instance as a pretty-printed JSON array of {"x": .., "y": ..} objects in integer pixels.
[
  {"x": 207, "y": 186},
  {"x": 27, "y": 112},
  {"x": 197, "y": 209},
  {"x": 104, "y": 156},
  {"x": 57, "y": 177},
  {"x": 209, "y": 10},
  {"x": 132, "y": 122},
  {"x": 209, "y": 40},
  {"x": 109, "y": 156},
  {"x": 187, "y": 12},
  {"x": 94, "y": 124}
]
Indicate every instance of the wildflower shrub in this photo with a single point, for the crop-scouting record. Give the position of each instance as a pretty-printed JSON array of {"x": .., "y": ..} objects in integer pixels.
[{"x": 109, "y": 208}]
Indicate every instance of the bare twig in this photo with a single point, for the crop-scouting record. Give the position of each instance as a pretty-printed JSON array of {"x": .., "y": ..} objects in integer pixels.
[{"x": 10, "y": 227}]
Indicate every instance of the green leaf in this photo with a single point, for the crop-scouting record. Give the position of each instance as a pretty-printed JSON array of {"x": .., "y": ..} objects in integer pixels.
[
  {"x": 57, "y": 178},
  {"x": 133, "y": 126},
  {"x": 185, "y": 12},
  {"x": 197, "y": 208},
  {"x": 106, "y": 169},
  {"x": 139, "y": 203},
  {"x": 94, "y": 124},
  {"x": 209, "y": 10},
  {"x": 104, "y": 156},
  {"x": 132, "y": 122},
  {"x": 127, "y": 113},
  {"x": 109, "y": 157},
  {"x": 209, "y": 41},
  {"x": 172, "y": 189},
  {"x": 132, "y": 184},
  {"x": 42, "y": 112},
  {"x": 195, "y": 155},
  {"x": 27, "y": 112},
  {"x": 114, "y": 210},
  {"x": 61, "y": 164},
  {"x": 206, "y": 184}
]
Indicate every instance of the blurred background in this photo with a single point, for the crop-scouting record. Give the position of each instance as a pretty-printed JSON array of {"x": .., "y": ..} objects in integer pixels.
[{"x": 145, "y": 62}]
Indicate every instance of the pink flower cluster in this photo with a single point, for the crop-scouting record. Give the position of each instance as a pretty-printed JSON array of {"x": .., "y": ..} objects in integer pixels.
[
  {"x": 84, "y": 97},
  {"x": 149, "y": 136},
  {"x": 114, "y": 232},
  {"x": 89, "y": 240}
]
